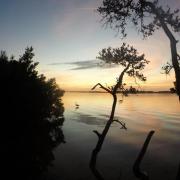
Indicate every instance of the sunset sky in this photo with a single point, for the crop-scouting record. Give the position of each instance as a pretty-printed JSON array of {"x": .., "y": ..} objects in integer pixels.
[{"x": 67, "y": 36}]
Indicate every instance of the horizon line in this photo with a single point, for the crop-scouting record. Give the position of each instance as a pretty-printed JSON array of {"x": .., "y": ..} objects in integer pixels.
[{"x": 145, "y": 91}]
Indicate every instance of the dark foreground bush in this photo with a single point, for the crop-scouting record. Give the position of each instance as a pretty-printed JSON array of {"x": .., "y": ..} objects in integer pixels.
[{"x": 31, "y": 117}]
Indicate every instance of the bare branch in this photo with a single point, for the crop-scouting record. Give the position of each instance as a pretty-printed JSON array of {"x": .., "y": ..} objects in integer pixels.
[
  {"x": 97, "y": 133},
  {"x": 136, "y": 167},
  {"x": 121, "y": 123},
  {"x": 102, "y": 87}
]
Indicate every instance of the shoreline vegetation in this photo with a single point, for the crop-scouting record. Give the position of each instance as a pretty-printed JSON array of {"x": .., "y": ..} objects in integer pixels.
[{"x": 33, "y": 116}]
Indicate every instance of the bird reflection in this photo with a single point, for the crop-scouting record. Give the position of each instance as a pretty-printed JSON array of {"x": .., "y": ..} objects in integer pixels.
[{"x": 76, "y": 106}]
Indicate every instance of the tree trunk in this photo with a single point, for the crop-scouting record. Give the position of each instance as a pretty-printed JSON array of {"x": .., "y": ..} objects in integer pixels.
[
  {"x": 174, "y": 54},
  {"x": 99, "y": 144},
  {"x": 176, "y": 66}
]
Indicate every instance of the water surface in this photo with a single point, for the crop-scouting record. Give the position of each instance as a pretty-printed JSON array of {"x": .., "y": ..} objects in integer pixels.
[{"x": 141, "y": 113}]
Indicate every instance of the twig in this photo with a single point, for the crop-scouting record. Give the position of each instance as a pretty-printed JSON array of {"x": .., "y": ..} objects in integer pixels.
[
  {"x": 136, "y": 168},
  {"x": 121, "y": 123},
  {"x": 97, "y": 133}
]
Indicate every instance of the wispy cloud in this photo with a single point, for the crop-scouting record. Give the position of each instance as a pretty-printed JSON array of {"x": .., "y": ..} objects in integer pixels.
[{"x": 87, "y": 64}]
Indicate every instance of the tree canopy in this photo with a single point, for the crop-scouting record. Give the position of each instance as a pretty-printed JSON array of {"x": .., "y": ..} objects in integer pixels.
[
  {"x": 147, "y": 16},
  {"x": 32, "y": 116},
  {"x": 128, "y": 57}
]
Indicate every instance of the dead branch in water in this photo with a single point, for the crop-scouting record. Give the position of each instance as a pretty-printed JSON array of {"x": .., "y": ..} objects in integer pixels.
[{"x": 136, "y": 168}]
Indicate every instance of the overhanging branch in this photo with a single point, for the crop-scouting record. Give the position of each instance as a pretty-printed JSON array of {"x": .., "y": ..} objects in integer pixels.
[{"x": 102, "y": 87}]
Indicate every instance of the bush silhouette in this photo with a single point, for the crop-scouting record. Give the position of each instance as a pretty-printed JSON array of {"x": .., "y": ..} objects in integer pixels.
[{"x": 31, "y": 116}]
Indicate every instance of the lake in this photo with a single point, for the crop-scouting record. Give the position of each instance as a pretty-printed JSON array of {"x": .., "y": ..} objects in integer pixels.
[{"x": 141, "y": 113}]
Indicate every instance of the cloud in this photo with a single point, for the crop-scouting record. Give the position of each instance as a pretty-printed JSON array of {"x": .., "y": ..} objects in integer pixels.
[
  {"x": 79, "y": 65},
  {"x": 86, "y": 64},
  {"x": 89, "y": 64}
]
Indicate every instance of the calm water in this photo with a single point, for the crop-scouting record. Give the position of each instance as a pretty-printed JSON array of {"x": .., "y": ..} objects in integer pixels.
[{"x": 141, "y": 113}]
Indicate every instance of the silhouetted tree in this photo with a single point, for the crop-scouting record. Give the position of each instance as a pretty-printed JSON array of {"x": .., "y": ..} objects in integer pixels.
[
  {"x": 127, "y": 57},
  {"x": 146, "y": 16},
  {"x": 31, "y": 117},
  {"x": 172, "y": 90}
]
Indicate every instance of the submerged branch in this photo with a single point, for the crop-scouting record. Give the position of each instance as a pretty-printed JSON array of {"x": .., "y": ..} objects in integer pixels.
[{"x": 136, "y": 168}]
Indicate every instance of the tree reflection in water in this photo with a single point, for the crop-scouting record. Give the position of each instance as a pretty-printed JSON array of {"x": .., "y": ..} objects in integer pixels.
[{"x": 31, "y": 118}]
